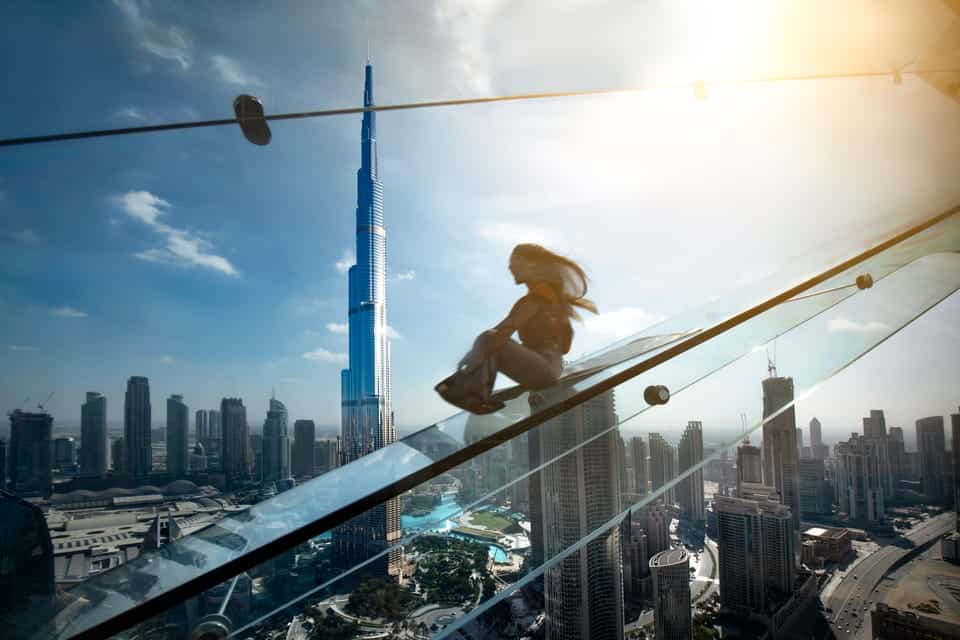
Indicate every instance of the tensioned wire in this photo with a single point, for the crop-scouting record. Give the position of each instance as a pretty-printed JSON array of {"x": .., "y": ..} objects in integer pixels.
[
  {"x": 430, "y": 104},
  {"x": 647, "y": 499}
]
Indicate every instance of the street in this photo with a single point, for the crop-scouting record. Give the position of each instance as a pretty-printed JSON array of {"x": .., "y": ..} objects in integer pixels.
[{"x": 852, "y": 599}]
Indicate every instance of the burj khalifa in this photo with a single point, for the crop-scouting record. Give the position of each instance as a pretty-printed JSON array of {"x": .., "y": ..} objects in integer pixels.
[{"x": 366, "y": 399}]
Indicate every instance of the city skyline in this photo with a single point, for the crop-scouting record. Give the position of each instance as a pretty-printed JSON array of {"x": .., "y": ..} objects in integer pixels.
[{"x": 193, "y": 294}]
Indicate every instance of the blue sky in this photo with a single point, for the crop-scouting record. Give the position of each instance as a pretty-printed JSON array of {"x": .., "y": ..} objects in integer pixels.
[{"x": 217, "y": 268}]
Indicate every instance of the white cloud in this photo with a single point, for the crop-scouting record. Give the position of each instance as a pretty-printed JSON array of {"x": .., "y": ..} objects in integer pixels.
[
  {"x": 130, "y": 113},
  {"x": 322, "y": 355},
  {"x": 24, "y": 235},
  {"x": 165, "y": 41},
  {"x": 846, "y": 324},
  {"x": 348, "y": 260},
  {"x": 407, "y": 275},
  {"x": 166, "y": 359},
  {"x": 22, "y": 347},
  {"x": 183, "y": 247},
  {"x": 620, "y": 323},
  {"x": 230, "y": 72},
  {"x": 68, "y": 312},
  {"x": 393, "y": 334},
  {"x": 337, "y": 327}
]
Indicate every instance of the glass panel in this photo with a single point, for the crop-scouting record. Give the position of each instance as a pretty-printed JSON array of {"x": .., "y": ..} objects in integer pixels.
[
  {"x": 180, "y": 561},
  {"x": 815, "y": 351}
]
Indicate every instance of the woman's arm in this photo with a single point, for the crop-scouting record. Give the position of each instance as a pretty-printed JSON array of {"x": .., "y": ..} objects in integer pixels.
[{"x": 521, "y": 313}]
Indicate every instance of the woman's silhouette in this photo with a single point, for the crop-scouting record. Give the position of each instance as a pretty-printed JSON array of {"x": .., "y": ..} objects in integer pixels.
[{"x": 556, "y": 287}]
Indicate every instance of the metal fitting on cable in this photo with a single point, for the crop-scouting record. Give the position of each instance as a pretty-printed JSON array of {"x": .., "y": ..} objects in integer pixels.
[
  {"x": 864, "y": 281},
  {"x": 656, "y": 394}
]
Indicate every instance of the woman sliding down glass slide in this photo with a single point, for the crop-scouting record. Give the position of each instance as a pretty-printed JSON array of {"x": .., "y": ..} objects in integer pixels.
[{"x": 556, "y": 287}]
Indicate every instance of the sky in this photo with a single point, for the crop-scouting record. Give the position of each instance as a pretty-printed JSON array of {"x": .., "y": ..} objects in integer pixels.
[{"x": 216, "y": 268}]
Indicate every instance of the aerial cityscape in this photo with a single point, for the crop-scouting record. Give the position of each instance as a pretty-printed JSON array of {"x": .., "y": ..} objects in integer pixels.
[{"x": 585, "y": 509}]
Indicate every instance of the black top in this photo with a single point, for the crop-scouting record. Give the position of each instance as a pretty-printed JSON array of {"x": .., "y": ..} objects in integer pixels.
[{"x": 549, "y": 328}]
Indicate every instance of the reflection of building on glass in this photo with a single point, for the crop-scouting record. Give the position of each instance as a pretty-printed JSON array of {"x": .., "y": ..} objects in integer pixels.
[
  {"x": 29, "y": 463},
  {"x": 93, "y": 436},
  {"x": 671, "y": 595},
  {"x": 366, "y": 395},
  {"x": 578, "y": 494},
  {"x": 137, "y": 454}
]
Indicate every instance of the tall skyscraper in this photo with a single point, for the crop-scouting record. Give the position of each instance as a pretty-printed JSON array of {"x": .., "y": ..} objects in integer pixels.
[
  {"x": 814, "y": 494},
  {"x": 662, "y": 468},
  {"x": 781, "y": 460},
  {"x": 304, "y": 435},
  {"x": 897, "y": 454},
  {"x": 749, "y": 465},
  {"x": 671, "y": 595},
  {"x": 214, "y": 428},
  {"x": 235, "y": 441},
  {"x": 638, "y": 457},
  {"x": 654, "y": 519},
  {"x": 3, "y": 465},
  {"x": 579, "y": 493},
  {"x": 818, "y": 449},
  {"x": 875, "y": 430},
  {"x": 799, "y": 438},
  {"x": 93, "y": 435},
  {"x": 178, "y": 424},
  {"x": 931, "y": 445},
  {"x": 30, "y": 466},
  {"x": 366, "y": 395},
  {"x": 859, "y": 487},
  {"x": 201, "y": 427},
  {"x": 690, "y": 489},
  {"x": 276, "y": 443},
  {"x": 756, "y": 545},
  {"x": 138, "y": 454}
]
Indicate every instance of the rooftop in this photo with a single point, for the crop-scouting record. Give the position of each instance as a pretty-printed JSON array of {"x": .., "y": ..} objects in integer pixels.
[
  {"x": 928, "y": 587},
  {"x": 669, "y": 558}
]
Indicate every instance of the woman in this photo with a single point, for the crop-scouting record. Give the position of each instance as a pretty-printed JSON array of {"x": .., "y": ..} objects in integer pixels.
[{"x": 556, "y": 287}]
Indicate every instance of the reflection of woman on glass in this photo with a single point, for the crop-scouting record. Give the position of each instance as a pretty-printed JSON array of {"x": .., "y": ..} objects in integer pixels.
[{"x": 556, "y": 286}]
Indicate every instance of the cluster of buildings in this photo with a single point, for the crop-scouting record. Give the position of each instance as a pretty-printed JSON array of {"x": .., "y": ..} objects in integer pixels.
[{"x": 221, "y": 449}]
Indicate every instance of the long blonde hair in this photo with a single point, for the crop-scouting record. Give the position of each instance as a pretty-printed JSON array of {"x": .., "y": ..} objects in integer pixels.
[{"x": 567, "y": 279}]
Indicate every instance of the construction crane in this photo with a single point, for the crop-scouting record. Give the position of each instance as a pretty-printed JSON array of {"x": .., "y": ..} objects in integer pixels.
[
  {"x": 40, "y": 405},
  {"x": 772, "y": 362}
]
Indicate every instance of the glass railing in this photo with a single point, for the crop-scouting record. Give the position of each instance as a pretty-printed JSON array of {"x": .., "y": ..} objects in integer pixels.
[{"x": 909, "y": 275}]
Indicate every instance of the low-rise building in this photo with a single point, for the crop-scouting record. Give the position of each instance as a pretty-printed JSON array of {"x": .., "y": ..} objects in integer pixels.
[{"x": 828, "y": 543}]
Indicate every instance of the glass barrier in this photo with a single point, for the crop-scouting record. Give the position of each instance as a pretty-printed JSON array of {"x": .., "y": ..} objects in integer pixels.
[
  {"x": 302, "y": 510},
  {"x": 893, "y": 302}
]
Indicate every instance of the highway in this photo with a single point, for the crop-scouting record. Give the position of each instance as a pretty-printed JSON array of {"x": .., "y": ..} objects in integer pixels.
[{"x": 852, "y": 599}]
